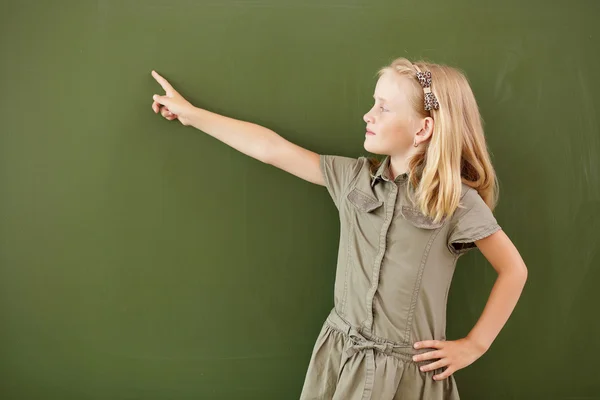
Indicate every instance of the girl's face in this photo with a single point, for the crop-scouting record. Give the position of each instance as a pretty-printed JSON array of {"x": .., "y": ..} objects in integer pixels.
[{"x": 392, "y": 122}]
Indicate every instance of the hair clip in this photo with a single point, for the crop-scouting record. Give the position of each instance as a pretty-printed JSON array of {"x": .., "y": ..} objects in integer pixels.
[{"x": 431, "y": 102}]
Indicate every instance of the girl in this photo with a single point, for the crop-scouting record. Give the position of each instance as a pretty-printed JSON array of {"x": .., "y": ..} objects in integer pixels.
[{"x": 404, "y": 223}]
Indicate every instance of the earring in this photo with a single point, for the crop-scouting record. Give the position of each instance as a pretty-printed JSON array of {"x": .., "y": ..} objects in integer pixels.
[{"x": 415, "y": 143}]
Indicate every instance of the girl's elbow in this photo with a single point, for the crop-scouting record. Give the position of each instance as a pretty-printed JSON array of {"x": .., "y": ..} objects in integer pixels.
[{"x": 522, "y": 272}]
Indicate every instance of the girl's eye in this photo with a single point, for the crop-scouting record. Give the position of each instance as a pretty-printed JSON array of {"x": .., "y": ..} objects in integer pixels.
[{"x": 383, "y": 109}]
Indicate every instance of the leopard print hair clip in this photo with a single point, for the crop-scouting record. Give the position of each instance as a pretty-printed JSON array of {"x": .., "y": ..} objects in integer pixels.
[{"x": 431, "y": 102}]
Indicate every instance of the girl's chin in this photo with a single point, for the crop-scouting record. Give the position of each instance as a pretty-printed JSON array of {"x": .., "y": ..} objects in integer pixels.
[
  {"x": 372, "y": 149},
  {"x": 372, "y": 144}
]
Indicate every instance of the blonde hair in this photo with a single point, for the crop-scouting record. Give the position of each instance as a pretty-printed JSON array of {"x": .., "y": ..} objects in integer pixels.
[{"x": 456, "y": 152}]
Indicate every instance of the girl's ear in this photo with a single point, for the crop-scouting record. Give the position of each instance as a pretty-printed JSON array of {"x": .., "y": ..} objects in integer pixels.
[{"x": 426, "y": 130}]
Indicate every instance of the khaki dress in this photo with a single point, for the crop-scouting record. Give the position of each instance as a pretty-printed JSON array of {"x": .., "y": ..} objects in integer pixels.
[{"x": 393, "y": 275}]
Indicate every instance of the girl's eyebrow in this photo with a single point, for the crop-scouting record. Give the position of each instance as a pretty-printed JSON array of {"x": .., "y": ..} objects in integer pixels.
[{"x": 380, "y": 99}]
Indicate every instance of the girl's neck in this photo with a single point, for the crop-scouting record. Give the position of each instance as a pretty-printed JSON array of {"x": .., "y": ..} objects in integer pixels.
[{"x": 398, "y": 165}]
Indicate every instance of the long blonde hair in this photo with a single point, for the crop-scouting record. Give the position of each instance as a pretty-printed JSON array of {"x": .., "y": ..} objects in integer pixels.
[{"x": 457, "y": 151}]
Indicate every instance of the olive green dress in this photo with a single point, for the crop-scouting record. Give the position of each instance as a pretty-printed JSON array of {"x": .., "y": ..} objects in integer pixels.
[{"x": 393, "y": 275}]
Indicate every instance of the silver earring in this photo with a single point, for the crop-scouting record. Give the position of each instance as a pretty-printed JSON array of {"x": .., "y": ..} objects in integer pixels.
[{"x": 415, "y": 143}]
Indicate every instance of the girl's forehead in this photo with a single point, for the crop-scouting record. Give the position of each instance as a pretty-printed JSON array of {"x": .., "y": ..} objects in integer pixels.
[{"x": 392, "y": 88}]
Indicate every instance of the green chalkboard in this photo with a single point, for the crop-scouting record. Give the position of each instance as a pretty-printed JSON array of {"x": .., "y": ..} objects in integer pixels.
[{"x": 140, "y": 259}]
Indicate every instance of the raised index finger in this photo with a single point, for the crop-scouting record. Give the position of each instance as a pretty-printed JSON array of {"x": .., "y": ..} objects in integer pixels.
[{"x": 163, "y": 82}]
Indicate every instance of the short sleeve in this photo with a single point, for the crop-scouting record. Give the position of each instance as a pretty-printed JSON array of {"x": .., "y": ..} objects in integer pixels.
[
  {"x": 338, "y": 173},
  {"x": 473, "y": 222}
]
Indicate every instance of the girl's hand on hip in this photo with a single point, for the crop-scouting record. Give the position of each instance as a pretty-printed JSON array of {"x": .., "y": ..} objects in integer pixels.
[
  {"x": 452, "y": 354},
  {"x": 172, "y": 105}
]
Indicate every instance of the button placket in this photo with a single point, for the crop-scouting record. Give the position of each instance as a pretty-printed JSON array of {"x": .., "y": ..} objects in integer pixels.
[{"x": 389, "y": 210}]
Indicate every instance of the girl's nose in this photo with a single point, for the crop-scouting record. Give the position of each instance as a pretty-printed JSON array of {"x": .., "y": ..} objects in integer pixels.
[{"x": 367, "y": 118}]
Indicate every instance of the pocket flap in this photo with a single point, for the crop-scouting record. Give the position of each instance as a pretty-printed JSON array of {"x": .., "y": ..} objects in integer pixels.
[
  {"x": 363, "y": 201},
  {"x": 420, "y": 220}
]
